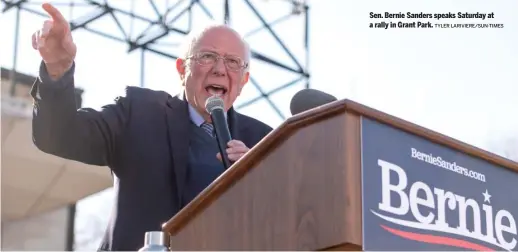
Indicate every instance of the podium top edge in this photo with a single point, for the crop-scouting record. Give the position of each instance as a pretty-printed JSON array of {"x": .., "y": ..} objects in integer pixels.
[{"x": 349, "y": 106}]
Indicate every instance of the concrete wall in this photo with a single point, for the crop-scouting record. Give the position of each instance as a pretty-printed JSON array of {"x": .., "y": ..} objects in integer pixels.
[{"x": 43, "y": 232}]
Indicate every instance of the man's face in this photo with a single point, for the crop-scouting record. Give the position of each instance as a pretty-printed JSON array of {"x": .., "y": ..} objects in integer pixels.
[{"x": 207, "y": 73}]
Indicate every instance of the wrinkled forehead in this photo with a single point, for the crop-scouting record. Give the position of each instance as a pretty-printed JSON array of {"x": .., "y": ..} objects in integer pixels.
[{"x": 221, "y": 40}]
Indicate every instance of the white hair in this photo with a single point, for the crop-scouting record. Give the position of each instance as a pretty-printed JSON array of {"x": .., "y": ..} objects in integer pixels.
[{"x": 196, "y": 33}]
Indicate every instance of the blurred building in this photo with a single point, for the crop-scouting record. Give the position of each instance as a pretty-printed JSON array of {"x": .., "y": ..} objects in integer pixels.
[{"x": 39, "y": 190}]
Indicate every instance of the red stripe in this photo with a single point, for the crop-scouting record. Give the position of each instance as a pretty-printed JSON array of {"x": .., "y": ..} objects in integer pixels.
[{"x": 433, "y": 239}]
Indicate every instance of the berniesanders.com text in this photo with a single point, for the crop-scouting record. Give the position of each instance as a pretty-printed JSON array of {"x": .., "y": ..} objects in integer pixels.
[{"x": 452, "y": 166}]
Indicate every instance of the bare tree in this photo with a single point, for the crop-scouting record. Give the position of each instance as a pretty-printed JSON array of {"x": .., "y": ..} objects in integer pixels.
[
  {"x": 506, "y": 147},
  {"x": 511, "y": 149},
  {"x": 88, "y": 236},
  {"x": 92, "y": 218}
]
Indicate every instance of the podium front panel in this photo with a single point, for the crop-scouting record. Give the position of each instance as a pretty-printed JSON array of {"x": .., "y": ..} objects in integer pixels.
[{"x": 419, "y": 195}]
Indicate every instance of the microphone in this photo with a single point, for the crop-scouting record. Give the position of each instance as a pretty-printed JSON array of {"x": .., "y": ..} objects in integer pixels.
[
  {"x": 216, "y": 108},
  {"x": 307, "y": 99}
]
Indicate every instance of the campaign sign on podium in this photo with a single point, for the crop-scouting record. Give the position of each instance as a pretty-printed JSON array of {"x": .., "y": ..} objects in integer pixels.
[{"x": 418, "y": 195}]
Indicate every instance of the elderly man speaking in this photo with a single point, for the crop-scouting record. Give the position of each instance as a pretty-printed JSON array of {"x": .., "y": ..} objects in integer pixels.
[{"x": 155, "y": 144}]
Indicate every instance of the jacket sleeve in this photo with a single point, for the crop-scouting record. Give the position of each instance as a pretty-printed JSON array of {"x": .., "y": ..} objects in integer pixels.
[{"x": 60, "y": 129}]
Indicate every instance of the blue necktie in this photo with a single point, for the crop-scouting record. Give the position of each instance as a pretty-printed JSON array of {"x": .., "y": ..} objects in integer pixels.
[{"x": 208, "y": 128}]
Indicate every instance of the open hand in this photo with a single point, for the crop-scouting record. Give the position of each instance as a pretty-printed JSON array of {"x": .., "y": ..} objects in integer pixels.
[{"x": 236, "y": 149}]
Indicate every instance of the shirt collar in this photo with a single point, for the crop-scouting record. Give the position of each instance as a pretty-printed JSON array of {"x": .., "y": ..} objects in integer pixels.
[{"x": 196, "y": 118}]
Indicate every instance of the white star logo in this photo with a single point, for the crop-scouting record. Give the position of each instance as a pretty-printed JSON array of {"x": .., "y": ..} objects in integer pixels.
[{"x": 487, "y": 196}]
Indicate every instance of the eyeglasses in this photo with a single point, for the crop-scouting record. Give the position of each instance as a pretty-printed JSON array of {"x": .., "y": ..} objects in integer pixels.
[{"x": 209, "y": 58}]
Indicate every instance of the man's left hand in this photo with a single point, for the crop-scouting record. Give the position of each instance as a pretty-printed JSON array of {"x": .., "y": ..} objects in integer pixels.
[{"x": 236, "y": 149}]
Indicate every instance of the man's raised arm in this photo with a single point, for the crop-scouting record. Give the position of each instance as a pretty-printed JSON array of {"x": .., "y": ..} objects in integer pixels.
[{"x": 84, "y": 135}]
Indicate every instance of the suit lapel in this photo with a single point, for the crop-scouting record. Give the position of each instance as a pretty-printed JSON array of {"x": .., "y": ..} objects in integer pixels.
[{"x": 177, "y": 117}]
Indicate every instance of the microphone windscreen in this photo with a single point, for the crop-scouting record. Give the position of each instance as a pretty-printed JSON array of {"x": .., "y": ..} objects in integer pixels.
[
  {"x": 307, "y": 99},
  {"x": 214, "y": 102}
]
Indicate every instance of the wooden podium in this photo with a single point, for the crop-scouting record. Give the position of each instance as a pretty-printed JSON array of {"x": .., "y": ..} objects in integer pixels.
[{"x": 298, "y": 189}]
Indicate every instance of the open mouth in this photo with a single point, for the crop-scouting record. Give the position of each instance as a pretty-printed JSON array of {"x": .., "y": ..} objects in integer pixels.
[{"x": 216, "y": 89}]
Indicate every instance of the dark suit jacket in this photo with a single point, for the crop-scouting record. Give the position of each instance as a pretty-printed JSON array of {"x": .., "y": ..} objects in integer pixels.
[{"x": 143, "y": 137}]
